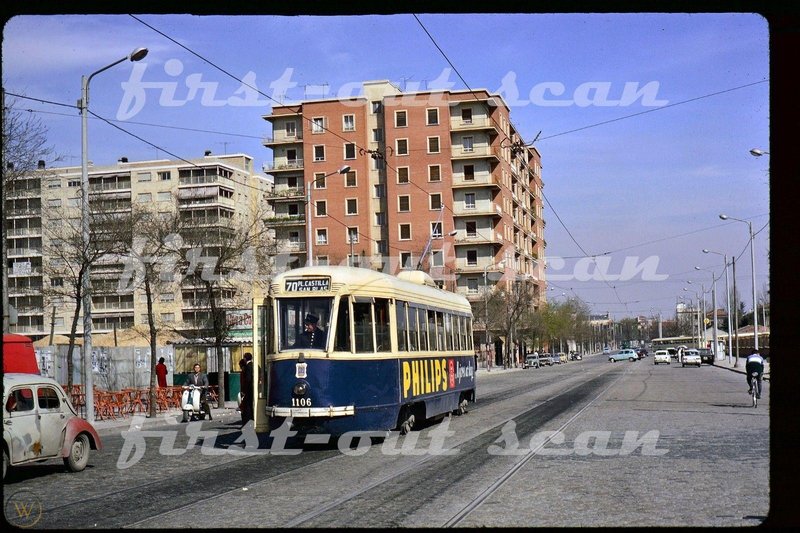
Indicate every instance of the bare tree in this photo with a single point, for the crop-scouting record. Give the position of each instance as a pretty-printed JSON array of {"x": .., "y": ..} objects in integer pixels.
[
  {"x": 507, "y": 306},
  {"x": 24, "y": 145},
  {"x": 222, "y": 262},
  {"x": 71, "y": 259}
]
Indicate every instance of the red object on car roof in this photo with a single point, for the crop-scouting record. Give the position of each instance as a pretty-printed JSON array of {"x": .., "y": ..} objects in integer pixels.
[{"x": 19, "y": 355}]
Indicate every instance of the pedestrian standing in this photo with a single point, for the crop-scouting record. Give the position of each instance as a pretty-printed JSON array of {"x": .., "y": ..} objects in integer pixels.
[
  {"x": 247, "y": 389},
  {"x": 161, "y": 373}
]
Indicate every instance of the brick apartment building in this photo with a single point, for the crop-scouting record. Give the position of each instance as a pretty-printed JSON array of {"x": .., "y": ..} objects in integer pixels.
[{"x": 439, "y": 180}]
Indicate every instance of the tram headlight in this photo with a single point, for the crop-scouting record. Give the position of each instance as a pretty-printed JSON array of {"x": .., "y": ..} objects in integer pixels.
[{"x": 300, "y": 388}]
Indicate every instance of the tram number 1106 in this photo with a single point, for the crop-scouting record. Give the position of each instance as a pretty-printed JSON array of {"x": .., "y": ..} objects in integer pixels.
[{"x": 301, "y": 402}]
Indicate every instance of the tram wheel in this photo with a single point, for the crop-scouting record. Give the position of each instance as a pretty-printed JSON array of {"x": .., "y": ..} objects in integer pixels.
[
  {"x": 406, "y": 426},
  {"x": 462, "y": 407}
]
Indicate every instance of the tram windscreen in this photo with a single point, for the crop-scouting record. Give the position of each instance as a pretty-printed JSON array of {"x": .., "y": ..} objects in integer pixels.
[{"x": 303, "y": 323}]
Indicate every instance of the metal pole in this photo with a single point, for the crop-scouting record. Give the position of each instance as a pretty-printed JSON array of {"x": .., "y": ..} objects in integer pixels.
[
  {"x": 309, "y": 261},
  {"x": 486, "y": 316},
  {"x": 735, "y": 312},
  {"x": 728, "y": 294},
  {"x": 753, "y": 274},
  {"x": 85, "y": 289},
  {"x": 714, "y": 310}
]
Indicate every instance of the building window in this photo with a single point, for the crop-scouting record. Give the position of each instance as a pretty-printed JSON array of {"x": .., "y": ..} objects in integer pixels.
[
  {"x": 435, "y": 201},
  {"x": 165, "y": 196},
  {"x": 164, "y": 176},
  {"x": 433, "y": 116},
  {"x": 380, "y": 218},
  {"x": 377, "y": 107},
  {"x": 437, "y": 258},
  {"x": 434, "y": 173},
  {"x": 56, "y": 282},
  {"x": 350, "y": 179},
  {"x": 291, "y": 129},
  {"x": 322, "y": 208},
  {"x": 294, "y": 237},
  {"x": 404, "y": 203},
  {"x": 466, "y": 115},
  {"x": 322, "y": 260},
  {"x": 166, "y": 297},
  {"x": 469, "y": 200},
  {"x": 472, "y": 285},
  {"x": 294, "y": 209},
  {"x": 319, "y": 152},
  {"x": 405, "y": 232},
  {"x": 469, "y": 172},
  {"x": 349, "y": 151},
  {"x": 317, "y": 125},
  {"x": 322, "y": 236},
  {"x": 436, "y": 230},
  {"x": 71, "y": 183},
  {"x": 349, "y": 122},
  {"x": 144, "y": 197},
  {"x": 472, "y": 257},
  {"x": 351, "y": 206},
  {"x": 466, "y": 143},
  {"x": 352, "y": 235},
  {"x": 168, "y": 317},
  {"x": 377, "y": 135},
  {"x": 319, "y": 181},
  {"x": 54, "y": 202},
  {"x": 143, "y": 176},
  {"x": 402, "y": 174},
  {"x": 433, "y": 145},
  {"x": 382, "y": 247},
  {"x": 378, "y": 190},
  {"x": 401, "y": 147},
  {"x": 405, "y": 259},
  {"x": 400, "y": 119},
  {"x": 472, "y": 228},
  {"x": 75, "y": 202}
]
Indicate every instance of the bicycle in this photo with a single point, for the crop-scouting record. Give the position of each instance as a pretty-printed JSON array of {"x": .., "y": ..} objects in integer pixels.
[{"x": 755, "y": 387}]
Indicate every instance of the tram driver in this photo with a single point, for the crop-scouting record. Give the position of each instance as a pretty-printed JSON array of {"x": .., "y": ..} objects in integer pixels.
[{"x": 313, "y": 336}]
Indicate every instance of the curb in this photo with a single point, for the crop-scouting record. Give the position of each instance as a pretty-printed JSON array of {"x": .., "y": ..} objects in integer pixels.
[{"x": 765, "y": 377}]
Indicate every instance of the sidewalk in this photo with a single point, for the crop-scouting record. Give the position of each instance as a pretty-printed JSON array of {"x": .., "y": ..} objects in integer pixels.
[
  {"x": 228, "y": 414},
  {"x": 729, "y": 365}
]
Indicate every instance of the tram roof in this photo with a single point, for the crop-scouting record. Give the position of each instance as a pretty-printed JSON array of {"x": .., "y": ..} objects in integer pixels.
[{"x": 373, "y": 282}]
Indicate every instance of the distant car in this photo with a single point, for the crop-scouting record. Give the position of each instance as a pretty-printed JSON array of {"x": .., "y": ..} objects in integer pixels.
[
  {"x": 39, "y": 423},
  {"x": 691, "y": 357},
  {"x": 606, "y": 350},
  {"x": 622, "y": 355},
  {"x": 545, "y": 359},
  {"x": 642, "y": 353},
  {"x": 562, "y": 357},
  {"x": 531, "y": 361},
  {"x": 706, "y": 356},
  {"x": 576, "y": 356},
  {"x": 662, "y": 356}
]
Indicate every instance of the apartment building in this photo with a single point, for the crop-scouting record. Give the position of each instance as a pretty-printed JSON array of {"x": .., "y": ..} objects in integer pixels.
[
  {"x": 205, "y": 191},
  {"x": 437, "y": 180}
]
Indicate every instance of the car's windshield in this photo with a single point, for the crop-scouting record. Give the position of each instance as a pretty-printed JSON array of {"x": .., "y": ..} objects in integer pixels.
[{"x": 303, "y": 323}]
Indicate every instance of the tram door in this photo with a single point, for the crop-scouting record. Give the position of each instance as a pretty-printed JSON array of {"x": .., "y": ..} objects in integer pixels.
[{"x": 263, "y": 345}]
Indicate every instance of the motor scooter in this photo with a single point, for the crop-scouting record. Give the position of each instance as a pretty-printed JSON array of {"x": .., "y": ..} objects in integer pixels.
[{"x": 194, "y": 403}]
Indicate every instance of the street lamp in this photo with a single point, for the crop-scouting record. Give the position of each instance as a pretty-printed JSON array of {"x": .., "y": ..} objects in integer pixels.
[
  {"x": 713, "y": 307},
  {"x": 752, "y": 274},
  {"x": 430, "y": 239},
  {"x": 728, "y": 300},
  {"x": 344, "y": 170},
  {"x": 757, "y": 152},
  {"x": 83, "y": 104},
  {"x": 486, "y": 338}
]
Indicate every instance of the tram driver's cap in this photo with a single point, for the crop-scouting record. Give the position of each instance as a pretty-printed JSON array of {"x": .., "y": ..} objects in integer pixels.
[{"x": 311, "y": 319}]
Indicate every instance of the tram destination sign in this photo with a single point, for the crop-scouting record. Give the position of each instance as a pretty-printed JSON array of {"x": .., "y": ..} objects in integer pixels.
[{"x": 307, "y": 285}]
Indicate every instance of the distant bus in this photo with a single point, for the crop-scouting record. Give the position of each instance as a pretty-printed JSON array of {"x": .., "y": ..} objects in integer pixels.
[{"x": 745, "y": 343}]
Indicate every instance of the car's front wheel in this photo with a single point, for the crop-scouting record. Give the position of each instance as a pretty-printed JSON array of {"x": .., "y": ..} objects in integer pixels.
[
  {"x": 78, "y": 456},
  {"x": 631, "y": 359}
]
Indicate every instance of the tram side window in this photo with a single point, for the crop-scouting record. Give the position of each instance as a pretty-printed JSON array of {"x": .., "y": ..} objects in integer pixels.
[
  {"x": 383, "y": 338},
  {"x": 458, "y": 328},
  {"x": 341, "y": 342},
  {"x": 362, "y": 319},
  {"x": 440, "y": 331},
  {"x": 448, "y": 330},
  {"x": 469, "y": 333},
  {"x": 402, "y": 326},
  {"x": 432, "y": 337},
  {"x": 413, "y": 334},
  {"x": 422, "y": 319}
]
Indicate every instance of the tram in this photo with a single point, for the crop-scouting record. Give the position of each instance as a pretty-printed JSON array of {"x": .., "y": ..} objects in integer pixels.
[{"x": 342, "y": 349}]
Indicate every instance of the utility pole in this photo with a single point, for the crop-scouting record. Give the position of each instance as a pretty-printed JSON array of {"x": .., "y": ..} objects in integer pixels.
[{"x": 735, "y": 314}]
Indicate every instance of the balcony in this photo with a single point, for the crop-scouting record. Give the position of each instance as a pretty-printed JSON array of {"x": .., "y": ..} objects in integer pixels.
[
  {"x": 24, "y": 212},
  {"x": 24, "y": 252},
  {"x": 25, "y": 232},
  {"x": 485, "y": 238},
  {"x": 288, "y": 194},
  {"x": 281, "y": 139},
  {"x": 291, "y": 165},
  {"x": 484, "y": 209},
  {"x": 286, "y": 220},
  {"x": 478, "y": 152},
  {"x": 475, "y": 124},
  {"x": 23, "y": 193},
  {"x": 481, "y": 180},
  {"x": 208, "y": 179},
  {"x": 463, "y": 268}
]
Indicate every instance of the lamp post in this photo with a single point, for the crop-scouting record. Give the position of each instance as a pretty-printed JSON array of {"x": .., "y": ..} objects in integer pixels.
[
  {"x": 752, "y": 274},
  {"x": 713, "y": 307},
  {"x": 137, "y": 55},
  {"x": 309, "y": 257},
  {"x": 728, "y": 301},
  {"x": 486, "y": 336}
]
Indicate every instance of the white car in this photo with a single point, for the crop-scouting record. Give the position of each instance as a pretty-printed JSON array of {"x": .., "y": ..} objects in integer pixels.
[
  {"x": 691, "y": 357},
  {"x": 39, "y": 422},
  {"x": 661, "y": 356}
]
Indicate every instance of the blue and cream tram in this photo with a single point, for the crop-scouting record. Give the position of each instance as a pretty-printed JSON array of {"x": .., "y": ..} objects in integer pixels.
[{"x": 342, "y": 349}]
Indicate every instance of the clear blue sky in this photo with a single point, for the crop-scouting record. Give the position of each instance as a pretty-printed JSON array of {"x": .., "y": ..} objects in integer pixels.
[{"x": 642, "y": 178}]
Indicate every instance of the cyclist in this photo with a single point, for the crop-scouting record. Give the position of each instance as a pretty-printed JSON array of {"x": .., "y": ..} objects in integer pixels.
[{"x": 754, "y": 363}]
